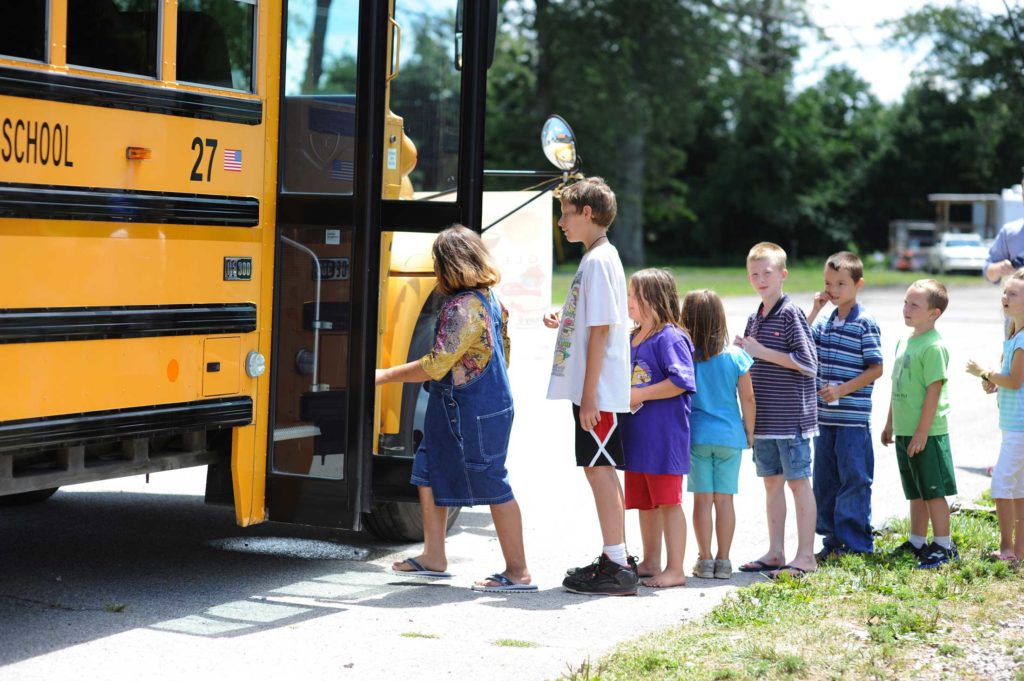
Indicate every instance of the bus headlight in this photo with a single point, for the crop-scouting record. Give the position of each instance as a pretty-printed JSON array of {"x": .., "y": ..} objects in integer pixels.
[{"x": 255, "y": 364}]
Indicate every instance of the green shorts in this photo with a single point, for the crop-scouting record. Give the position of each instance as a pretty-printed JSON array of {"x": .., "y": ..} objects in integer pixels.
[
  {"x": 713, "y": 469},
  {"x": 929, "y": 473}
]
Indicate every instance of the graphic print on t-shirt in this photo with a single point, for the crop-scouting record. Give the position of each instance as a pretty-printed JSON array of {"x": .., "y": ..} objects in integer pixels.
[
  {"x": 564, "y": 342},
  {"x": 900, "y": 373},
  {"x": 641, "y": 373}
]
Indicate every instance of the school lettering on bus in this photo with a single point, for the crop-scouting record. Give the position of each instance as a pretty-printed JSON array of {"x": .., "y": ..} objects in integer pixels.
[{"x": 36, "y": 142}]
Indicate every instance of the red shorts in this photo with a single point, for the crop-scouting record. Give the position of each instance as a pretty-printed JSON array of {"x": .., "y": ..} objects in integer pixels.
[{"x": 647, "y": 491}]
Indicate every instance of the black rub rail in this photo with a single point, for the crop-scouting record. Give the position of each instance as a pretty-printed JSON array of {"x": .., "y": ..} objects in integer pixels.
[
  {"x": 49, "y": 202},
  {"x": 43, "y": 325},
  {"x": 57, "y": 87},
  {"x": 51, "y": 432}
]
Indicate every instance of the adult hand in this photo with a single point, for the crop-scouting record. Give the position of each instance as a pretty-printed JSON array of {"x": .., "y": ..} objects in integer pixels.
[
  {"x": 551, "y": 319},
  {"x": 887, "y": 436},
  {"x": 380, "y": 376},
  {"x": 1003, "y": 268}
]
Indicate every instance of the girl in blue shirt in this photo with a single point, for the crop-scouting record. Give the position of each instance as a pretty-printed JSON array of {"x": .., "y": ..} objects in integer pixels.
[{"x": 718, "y": 432}]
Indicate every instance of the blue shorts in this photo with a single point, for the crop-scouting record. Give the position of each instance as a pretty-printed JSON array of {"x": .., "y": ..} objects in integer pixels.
[
  {"x": 789, "y": 457},
  {"x": 714, "y": 469}
]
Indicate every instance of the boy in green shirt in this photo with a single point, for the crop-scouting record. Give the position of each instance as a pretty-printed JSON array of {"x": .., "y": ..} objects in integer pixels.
[{"x": 917, "y": 417}]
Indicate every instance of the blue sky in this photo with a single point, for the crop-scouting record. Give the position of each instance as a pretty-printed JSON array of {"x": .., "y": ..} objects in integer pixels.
[{"x": 857, "y": 41}]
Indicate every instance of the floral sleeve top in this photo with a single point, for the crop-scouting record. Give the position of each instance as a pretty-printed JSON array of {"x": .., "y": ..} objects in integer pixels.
[{"x": 463, "y": 344}]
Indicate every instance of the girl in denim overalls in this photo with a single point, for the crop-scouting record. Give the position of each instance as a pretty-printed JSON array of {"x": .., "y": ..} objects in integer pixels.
[{"x": 461, "y": 460}]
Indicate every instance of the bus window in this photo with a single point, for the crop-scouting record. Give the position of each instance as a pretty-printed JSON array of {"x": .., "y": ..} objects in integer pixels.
[
  {"x": 114, "y": 35},
  {"x": 215, "y": 42},
  {"x": 320, "y": 101},
  {"x": 23, "y": 30},
  {"x": 426, "y": 93}
]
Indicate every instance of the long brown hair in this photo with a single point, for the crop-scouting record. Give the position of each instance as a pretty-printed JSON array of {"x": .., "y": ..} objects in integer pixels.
[
  {"x": 704, "y": 319},
  {"x": 461, "y": 261},
  {"x": 655, "y": 289}
]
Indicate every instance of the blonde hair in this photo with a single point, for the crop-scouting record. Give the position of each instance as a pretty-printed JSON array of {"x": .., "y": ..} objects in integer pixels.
[
  {"x": 935, "y": 293},
  {"x": 461, "y": 261},
  {"x": 655, "y": 289},
  {"x": 1011, "y": 328},
  {"x": 593, "y": 192},
  {"x": 704, "y": 319},
  {"x": 766, "y": 250}
]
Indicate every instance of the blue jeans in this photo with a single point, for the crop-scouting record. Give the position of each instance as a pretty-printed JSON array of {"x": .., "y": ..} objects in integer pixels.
[{"x": 844, "y": 467}]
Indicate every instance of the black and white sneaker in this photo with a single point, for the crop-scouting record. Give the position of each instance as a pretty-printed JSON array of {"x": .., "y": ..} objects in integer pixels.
[
  {"x": 933, "y": 555},
  {"x": 908, "y": 548},
  {"x": 604, "y": 578},
  {"x": 591, "y": 567}
]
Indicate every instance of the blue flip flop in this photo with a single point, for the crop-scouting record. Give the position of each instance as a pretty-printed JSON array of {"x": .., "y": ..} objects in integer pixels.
[
  {"x": 419, "y": 571},
  {"x": 504, "y": 585}
]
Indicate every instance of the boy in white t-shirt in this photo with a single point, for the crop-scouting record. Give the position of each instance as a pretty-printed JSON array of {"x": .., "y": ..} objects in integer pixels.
[{"x": 591, "y": 369}]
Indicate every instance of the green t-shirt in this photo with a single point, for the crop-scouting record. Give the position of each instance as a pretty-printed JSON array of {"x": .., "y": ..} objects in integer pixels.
[{"x": 920, "y": 361}]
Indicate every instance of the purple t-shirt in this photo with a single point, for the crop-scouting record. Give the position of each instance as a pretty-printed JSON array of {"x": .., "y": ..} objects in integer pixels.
[{"x": 656, "y": 439}]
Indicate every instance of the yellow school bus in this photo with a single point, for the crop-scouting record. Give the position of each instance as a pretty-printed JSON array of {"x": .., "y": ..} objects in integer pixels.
[{"x": 209, "y": 237}]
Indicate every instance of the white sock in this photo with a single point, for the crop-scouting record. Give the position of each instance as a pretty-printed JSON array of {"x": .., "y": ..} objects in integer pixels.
[
  {"x": 617, "y": 553},
  {"x": 918, "y": 541},
  {"x": 944, "y": 542}
]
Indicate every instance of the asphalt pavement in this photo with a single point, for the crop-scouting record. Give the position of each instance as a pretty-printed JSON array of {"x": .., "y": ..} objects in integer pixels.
[{"x": 126, "y": 579}]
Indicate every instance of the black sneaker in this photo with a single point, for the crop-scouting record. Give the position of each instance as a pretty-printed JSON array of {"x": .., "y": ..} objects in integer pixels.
[
  {"x": 594, "y": 565},
  {"x": 608, "y": 578},
  {"x": 933, "y": 555},
  {"x": 583, "y": 568},
  {"x": 828, "y": 554},
  {"x": 908, "y": 548}
]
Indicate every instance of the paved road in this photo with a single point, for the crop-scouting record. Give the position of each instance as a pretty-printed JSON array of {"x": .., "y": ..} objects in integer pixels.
[{"x": 122, "y": 579}]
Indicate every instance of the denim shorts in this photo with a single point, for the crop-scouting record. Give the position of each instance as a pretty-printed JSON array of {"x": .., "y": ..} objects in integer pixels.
[{"x": 789, "y": 457}]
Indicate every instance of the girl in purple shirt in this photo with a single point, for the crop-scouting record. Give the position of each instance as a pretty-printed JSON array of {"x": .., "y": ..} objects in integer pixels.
[{"x": 656, "y": 435}]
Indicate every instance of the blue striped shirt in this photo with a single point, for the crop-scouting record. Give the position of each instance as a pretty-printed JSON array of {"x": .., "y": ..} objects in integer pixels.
[
  {"x": 786, "y": 399},
  {"x": 845, "y": 349}
]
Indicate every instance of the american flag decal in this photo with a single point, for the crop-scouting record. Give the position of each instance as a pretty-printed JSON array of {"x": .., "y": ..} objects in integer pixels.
[
  {"x": 233, "y": 160},
  {"x": 341, "y": 170}
]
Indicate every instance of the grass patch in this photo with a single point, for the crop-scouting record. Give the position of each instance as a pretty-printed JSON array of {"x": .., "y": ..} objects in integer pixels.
[
  {"x": 417, "y": 634},
  {"x": 515, "y": 643},
  {"x": 114, "y": 607},
  {"x": 732, "y": 281},
  {"x": 857, "y": 617}
]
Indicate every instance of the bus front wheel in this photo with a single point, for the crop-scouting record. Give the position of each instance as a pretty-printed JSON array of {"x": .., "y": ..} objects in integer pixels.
[{"x": 399, "y": 521}]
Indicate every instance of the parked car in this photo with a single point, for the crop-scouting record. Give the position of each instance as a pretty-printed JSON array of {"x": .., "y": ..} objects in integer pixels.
[{"x": 957, "y": 252}]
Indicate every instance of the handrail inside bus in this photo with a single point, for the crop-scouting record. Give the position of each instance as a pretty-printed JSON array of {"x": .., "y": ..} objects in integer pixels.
[{"x": 315, "y": 387}]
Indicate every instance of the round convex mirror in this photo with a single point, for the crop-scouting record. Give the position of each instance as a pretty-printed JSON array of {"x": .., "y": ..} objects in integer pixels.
[{"x": 559, "y": 143}]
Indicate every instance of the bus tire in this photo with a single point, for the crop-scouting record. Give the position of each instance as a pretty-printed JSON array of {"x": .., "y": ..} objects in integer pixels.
[
  {"x": 398, "y": 521},
  {"x": 26, "y": 498}
]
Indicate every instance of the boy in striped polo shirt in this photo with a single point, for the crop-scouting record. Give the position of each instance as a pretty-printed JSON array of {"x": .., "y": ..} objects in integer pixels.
[
  {"x": 849, "y": 362},
  {"x": 778, "y": 338}
]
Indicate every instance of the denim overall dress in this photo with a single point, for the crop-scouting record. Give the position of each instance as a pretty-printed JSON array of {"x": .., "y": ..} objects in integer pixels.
[{"x": 466, "y": 431}]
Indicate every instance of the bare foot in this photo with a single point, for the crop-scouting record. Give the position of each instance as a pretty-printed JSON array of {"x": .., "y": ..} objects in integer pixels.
[
  {"x": 798, "y": 567},
  {"x": 766, "y": 562},
  {"x": 665, "y": 579},
  {"x": 523, "y": 578},
  {"x": 1003, "y": 555},
  {"x": 646, "y": 569}
]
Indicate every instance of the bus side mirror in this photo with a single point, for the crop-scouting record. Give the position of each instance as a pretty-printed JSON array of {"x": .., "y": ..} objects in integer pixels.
[{"x": 559, "y": 144}]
